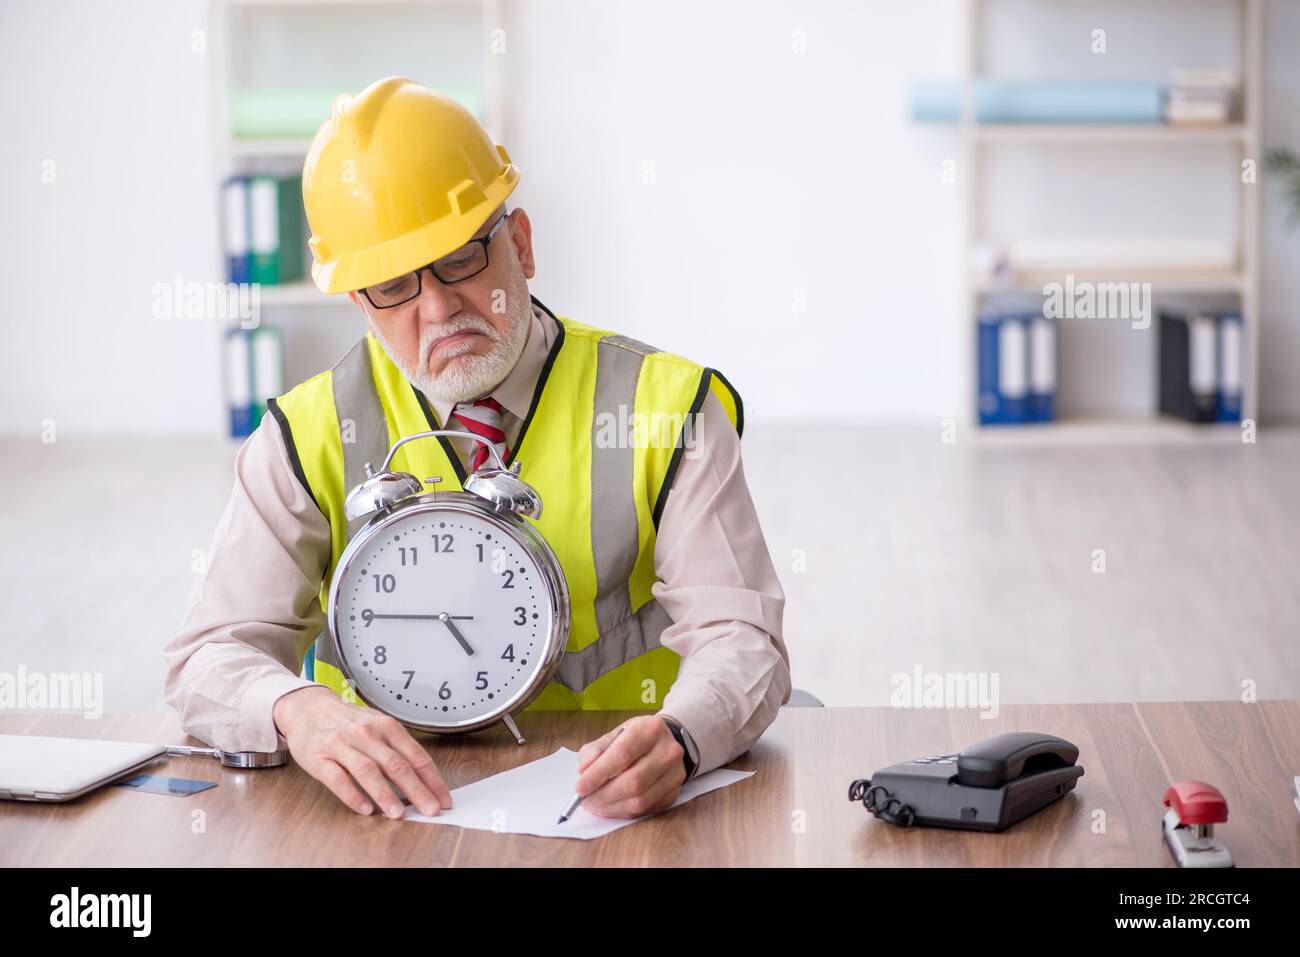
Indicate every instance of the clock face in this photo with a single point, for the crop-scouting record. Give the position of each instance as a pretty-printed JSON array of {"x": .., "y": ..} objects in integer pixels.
[{"x": 443, "y": 618}]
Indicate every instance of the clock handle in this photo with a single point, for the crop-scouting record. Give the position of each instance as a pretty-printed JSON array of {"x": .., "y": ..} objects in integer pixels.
[{"x": 492, "y": 449}]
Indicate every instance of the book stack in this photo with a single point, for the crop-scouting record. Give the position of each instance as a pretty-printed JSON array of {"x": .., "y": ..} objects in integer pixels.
[
  {"x": 264, "y": 229},
  {"x": 258, "y": 113},
  {"x": 1200, "y": 97},
  {"x": 1200, "y": 366},
  {"x": 1036, "y": 101},
  {"x": 1017, "y": 367}
]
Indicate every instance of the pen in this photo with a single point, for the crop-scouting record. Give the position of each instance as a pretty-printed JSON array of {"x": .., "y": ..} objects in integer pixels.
[{"x": 573, "y": 805}]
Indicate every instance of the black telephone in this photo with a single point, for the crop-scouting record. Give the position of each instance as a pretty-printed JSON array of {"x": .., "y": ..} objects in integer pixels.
[{"x": 989, "y": 786}]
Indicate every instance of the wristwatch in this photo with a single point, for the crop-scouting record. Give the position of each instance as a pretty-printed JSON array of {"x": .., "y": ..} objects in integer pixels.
[{"x": 680, "y": 734}]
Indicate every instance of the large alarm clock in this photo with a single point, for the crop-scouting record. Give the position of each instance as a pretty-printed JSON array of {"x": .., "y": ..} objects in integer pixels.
[{"x": 448, "y": 610}]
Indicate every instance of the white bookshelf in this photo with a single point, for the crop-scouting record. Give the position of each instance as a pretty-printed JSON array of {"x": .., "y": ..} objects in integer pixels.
[
  {"x": 1240, "y": 280},
  {"x": 238, "y": 149},
  {"x": 303, "y": 293},
  {"x": 1100, "y": 133},
  {"x": 1163, "y": 280}
]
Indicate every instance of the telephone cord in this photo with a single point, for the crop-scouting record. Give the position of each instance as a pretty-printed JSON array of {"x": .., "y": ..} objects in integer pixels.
[{"x": 879, "y": 802}]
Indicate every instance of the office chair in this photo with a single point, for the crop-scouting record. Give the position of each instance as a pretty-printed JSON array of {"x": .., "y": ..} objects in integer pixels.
[{"x": 803, "y": 699}]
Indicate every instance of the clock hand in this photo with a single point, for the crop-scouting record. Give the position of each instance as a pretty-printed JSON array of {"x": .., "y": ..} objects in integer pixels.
[
  {"x": 376, "y": 615},
  {"x": 446, "y": 620},
  {"x": 441, "y": 617}
]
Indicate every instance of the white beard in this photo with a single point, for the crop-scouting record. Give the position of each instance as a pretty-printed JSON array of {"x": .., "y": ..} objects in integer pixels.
[{"x": 466, "y": 376}]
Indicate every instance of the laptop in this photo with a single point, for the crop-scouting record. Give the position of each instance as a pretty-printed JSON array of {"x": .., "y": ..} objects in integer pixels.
[{"x": 33, "y": 768}]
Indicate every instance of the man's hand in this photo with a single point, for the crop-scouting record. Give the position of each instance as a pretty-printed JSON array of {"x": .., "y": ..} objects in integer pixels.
[
  {"x": 638, "y": 774},
  {"x": 345, "y": 745}
]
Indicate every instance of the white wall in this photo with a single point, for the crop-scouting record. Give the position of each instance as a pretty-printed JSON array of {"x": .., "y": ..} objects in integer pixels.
[
  {"x": 114, "y": 95},
  {"x": 775, "y": 175}
]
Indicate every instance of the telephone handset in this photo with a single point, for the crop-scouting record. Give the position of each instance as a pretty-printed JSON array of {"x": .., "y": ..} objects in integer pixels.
[{"x": 989, "y": 786}]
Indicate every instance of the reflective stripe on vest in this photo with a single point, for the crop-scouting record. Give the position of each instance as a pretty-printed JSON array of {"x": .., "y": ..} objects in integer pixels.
[{"x": 603, "y": 530}]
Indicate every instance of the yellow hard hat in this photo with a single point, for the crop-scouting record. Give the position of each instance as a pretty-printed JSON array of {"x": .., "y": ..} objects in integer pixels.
[{"x": 398, "y": 176}]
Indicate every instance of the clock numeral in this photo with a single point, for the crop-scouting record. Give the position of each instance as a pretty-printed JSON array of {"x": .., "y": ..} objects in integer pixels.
[
  {"x": 509, "y": 653},
  {"x": 380, "y": 655},
  {"x": 479, "y": 546},
  {"x": 442, "y": 543},
  {"x": 510, "y": 576},
  {"x": 481, "y": 682},
  {"x": 409, "y": 676},
  {"x": 523, "y": 616},
  {"x": 367, "y": 616},
  {"x": 414, "y": 554},
  {"x": 444, "y": 692},
  {"x": 384, "y": 583}
]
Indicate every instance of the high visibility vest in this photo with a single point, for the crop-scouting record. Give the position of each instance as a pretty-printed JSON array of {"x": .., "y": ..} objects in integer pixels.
[{"x": 605, "y": 433}]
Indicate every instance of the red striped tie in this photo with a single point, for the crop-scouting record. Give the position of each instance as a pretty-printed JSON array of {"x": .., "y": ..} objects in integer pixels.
[{"x": 483, "y": 417}]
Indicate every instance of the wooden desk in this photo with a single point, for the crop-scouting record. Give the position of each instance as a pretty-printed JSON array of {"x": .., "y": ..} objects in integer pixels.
[{"x": 794, "y": 811}]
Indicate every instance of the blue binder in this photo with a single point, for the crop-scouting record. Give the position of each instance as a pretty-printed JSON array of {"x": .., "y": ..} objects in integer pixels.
[
  {"x": 1003, "y": 368},
  {"x": 239, "y": 382},
  {"x": 1042, "y": 369},
  {"x": 1228, "y": 404},
  {"x": 234, "y": 229}
]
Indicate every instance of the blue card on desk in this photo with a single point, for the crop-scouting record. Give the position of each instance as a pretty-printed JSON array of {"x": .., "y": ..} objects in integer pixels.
[{"x": 160, "y": 784}]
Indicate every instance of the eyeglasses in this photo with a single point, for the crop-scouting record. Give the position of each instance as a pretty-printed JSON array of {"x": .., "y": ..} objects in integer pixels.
[{"x": 470, "y": 260}]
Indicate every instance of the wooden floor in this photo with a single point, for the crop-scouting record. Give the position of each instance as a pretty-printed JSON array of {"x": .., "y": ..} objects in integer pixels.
[{"x": 897, "y": 551}]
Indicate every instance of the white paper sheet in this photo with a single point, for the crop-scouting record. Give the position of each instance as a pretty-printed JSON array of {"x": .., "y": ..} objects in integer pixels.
[{"x": 530, "y": 798}]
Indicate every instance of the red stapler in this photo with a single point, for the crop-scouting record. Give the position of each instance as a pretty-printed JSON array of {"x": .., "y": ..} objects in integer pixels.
[{"x": 1194, "y": 808}]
